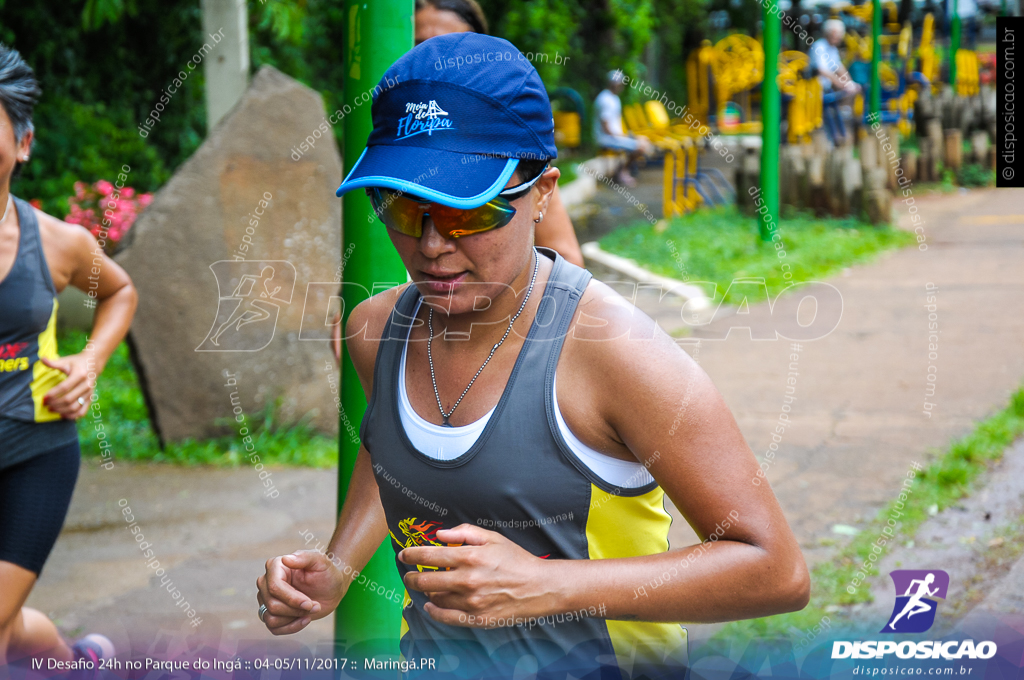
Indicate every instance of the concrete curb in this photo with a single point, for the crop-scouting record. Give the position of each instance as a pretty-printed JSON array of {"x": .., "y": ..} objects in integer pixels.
[
  {"x": 693, "y": 294},
  {"x": 583, "y": 188}
]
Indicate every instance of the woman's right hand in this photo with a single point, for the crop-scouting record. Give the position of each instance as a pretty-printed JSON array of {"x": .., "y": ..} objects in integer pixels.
[{"x": 297, "y": 589}]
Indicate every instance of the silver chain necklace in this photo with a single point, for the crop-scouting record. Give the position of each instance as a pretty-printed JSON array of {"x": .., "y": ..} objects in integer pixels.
[
  {"x": 430, "y": 338},
  {"x": 7, "y": 209}
]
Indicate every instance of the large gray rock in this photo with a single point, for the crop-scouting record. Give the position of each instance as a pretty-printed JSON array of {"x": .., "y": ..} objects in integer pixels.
[{"x": 220, "y": 295}]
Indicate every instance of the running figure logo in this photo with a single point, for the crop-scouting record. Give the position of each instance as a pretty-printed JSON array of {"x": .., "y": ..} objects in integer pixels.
[
  {"x": 251, "y": 293},
  {"x": 914, "y": 611}
]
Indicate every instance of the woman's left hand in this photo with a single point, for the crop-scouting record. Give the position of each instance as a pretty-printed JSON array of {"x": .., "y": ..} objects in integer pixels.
[
  {"x": 70, "y": 398},
  {"x": 490, "y": 580}
]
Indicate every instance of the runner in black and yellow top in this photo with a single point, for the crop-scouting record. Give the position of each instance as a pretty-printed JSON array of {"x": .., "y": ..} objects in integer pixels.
[
  {"x": 42, "y": 393},
  {"x": 525, "y": 423}
]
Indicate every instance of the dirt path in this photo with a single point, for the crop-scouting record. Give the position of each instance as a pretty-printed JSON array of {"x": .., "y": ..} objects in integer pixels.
[
  {"x": 211, "y": 532},
  {"x": 858, "y": 418}
]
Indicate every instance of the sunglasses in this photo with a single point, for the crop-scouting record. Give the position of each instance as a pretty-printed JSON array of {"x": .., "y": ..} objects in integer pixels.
[{"x": 404, "y": 214}]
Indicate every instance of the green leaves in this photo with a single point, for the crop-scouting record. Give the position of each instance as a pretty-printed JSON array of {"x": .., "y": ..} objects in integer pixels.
[
  {"x": 87, "y": 142},
  {"x": 96, "y": 13},
  {"x": 284, "y": 19}
]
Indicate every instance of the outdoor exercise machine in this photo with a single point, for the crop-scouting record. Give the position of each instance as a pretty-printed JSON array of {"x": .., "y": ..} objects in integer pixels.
[
  {"x": 803, "y": 94},
  {"x": 730, "y": 69},
  {"x": 568, "y": 123}
]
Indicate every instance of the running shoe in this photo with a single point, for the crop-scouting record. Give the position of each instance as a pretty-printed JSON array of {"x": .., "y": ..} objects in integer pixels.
[{"x": 93, "y": 647}]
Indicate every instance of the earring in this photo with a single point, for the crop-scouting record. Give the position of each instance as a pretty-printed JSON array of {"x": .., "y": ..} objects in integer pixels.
[{"x": 539, "y": 218}]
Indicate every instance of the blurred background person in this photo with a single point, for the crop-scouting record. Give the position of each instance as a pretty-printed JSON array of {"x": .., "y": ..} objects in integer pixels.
[
  {"x": 42, "y": 393},
  {"x": 828, "y": 64},
  {"x": 440, "y": 17},
  {"x": 837, "y": 87},
  {"x": 967, "y": 10},
  {"x": 608, "y": 132}
]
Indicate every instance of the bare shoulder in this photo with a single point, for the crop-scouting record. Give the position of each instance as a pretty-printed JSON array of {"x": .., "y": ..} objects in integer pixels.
[
  {"x": 605, "y": 320},
  {"x": 364, "y": 328},
  {"x": 71, "y": 240},
  {"x": 70, "y": 251},
  {"x": 620, "y": 349}
]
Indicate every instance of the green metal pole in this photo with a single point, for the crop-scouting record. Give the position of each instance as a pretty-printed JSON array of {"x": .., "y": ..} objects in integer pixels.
[
  {"x": 875, "y": 106},
  {"x": 771, "y": 110},
  {"x": 377, "y": 34},
  {"x": 954, "y": 43}
]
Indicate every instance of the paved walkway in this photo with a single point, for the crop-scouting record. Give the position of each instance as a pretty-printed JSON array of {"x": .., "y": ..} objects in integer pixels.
[
  {"x": 857, "y": 428},
  {"x": 212, "y": 530},
  {"x": 977, "y": 541},
  {"x": 858, "y": 421}
]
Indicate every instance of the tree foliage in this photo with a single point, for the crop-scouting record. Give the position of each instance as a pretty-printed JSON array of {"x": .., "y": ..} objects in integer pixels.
[
  {"x": 598, "y": 36},
  {"x": 594, "y": 37},
  {"x": 103, "y": 64},
  {"x": 101, "y": 70}
]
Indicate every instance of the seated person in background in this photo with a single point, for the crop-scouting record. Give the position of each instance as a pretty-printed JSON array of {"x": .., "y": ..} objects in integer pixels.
[
  {"x": 825, "y": 60},
  {"x": 608, "y": 132},
  {"x": 967, "y": 10},
  {"x": 827, "y": 63}
]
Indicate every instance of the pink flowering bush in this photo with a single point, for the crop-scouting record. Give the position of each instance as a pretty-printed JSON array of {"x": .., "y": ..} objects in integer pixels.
[{"x": 101, "y": 202}]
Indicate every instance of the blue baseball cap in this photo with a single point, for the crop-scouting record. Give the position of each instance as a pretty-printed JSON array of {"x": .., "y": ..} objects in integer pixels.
[{"x": 451, "y": 120}]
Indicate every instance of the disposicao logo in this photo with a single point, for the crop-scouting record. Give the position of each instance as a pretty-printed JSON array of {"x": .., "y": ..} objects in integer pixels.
[
  {"x": 914, "y": 611},
  {"x": 908, "y": 649}
]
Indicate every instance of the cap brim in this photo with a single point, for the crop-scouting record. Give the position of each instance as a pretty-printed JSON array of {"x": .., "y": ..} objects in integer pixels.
[{"x": 457, "y": 180}]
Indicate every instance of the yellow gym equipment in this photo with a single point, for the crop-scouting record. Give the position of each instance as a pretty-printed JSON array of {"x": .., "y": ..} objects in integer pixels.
[
  {"x": 679, "y": 194},
  {"x": 567, "y": 129},
  {"x": 966, "y": 73},
  {"x": 929, "y": 61},
  {"x": 699, "y": 76},
  {"x": 735, "y": 65},
  {"x": 804, "y": 114}
]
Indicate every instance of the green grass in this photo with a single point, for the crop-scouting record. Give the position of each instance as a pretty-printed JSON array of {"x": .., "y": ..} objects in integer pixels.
[
  {"x": 948, "y": 478},
  {"x": 126, "y": 424},
  {"x": 568, "y": 170},
  {"x": 721, "y": 244}
]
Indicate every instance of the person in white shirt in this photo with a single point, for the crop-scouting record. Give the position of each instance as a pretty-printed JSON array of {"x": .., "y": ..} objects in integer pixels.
[
  {"x": 828, "y": 66},
  {"x": 608, "y": 132},
  {"x": 968, "y": 13},
  {"x": 827, "y": 63}
]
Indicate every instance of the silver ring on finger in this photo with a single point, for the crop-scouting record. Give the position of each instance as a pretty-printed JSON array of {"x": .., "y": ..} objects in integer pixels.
[
  {"x": 81, "y": 401},
  {"x": 261, "y": 612}
]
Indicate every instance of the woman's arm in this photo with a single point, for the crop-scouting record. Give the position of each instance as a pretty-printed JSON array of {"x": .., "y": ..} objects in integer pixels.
[
  {"x": 654, "y": 400},
  {"x": 308, "y": 584},
  {"x": 76, "y": 259},
  {"x": 657, "y": 399}
]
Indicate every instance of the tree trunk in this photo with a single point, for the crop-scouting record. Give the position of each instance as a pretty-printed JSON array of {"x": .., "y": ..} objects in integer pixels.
[{"x": 226, "y": 64}]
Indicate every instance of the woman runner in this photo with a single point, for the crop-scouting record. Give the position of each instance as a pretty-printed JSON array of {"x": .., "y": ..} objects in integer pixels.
[
  {"x": 42, "y": 393},
  {"x": 525, "y": 422}
]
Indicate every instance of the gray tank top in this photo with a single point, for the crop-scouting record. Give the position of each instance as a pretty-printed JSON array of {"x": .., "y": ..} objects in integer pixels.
[
  {"x": 28, "y": 320},
  {"x": 519, "y": 479}
]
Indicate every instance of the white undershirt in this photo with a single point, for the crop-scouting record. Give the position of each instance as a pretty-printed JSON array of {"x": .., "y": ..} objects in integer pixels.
[{"x": 446, "y": 443}]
